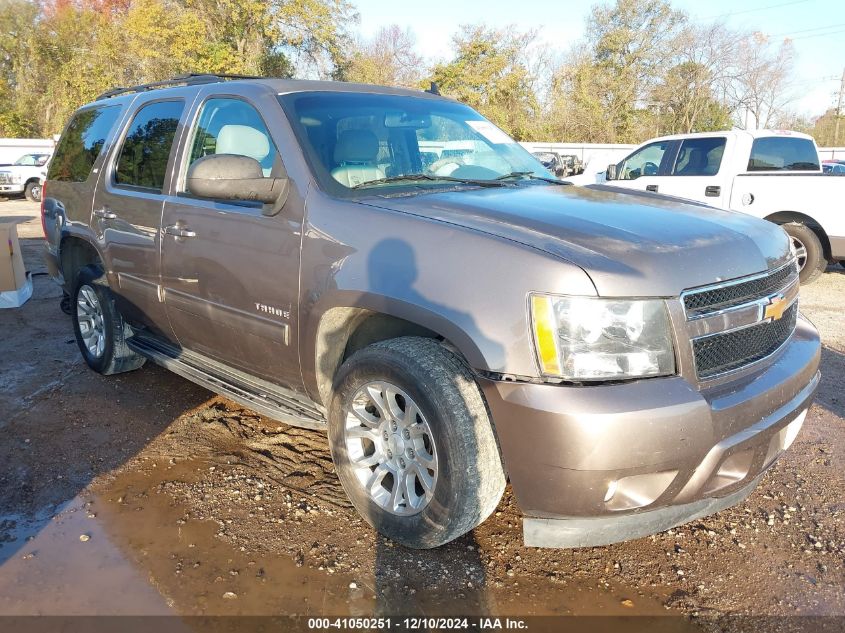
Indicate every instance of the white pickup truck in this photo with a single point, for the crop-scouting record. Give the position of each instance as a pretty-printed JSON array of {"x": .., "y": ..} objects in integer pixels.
[
  {"x": 24, "y": 176},
  {"x": 775, "y": 175}
]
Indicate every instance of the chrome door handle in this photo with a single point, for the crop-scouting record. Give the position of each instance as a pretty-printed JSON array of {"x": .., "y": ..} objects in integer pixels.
[
  {"x": 179, "y": 231},
  {"x": 105, "y": 214}
]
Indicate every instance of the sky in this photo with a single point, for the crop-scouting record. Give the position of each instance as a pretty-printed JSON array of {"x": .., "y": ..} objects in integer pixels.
[{"x": 817, "y": 28}]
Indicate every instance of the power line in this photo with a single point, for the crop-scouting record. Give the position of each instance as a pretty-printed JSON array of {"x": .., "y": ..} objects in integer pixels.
[
  {"x": 765, "y": 8},
  {"x": 807, "y": 37},
  {"x": 817, "y": 80},
  {"x": 818, "y": 28}
]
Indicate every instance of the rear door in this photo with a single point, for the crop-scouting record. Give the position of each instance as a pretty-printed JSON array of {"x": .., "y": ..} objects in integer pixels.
[
  {"x": 74, "y": 171},
  {"x": 128, "y": 205},
  {"x": 646, "y": 168},
  {"x": 231, "y": 273},
  {"x": 695, "y": 172}
]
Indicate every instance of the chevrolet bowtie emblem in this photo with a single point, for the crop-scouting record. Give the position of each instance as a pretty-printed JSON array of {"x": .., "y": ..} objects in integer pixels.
[{"x": 775, "y": 308}]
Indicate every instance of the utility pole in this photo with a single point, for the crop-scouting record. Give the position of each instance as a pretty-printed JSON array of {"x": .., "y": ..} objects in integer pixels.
[{"x": 838, "y": 111}]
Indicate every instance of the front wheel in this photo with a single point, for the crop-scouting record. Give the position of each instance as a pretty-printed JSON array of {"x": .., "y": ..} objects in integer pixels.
[
  {"x": 413, "y": 443},
  {"x": 808, "y": 251},
  {"x": 99, "y": 328},
  {"x": 32, "y": 191}
]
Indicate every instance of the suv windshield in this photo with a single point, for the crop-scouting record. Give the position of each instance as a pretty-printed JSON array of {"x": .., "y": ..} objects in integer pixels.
[
  {"x": 32, "y": 160},
  {"x": 357, "y": 142}
]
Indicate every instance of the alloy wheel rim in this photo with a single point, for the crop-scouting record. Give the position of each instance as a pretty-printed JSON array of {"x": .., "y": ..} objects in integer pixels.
[
  {"x": 89, "y": 315},
  {"x": 800, "y": 252},
  {"x": 391, "y": 448}
]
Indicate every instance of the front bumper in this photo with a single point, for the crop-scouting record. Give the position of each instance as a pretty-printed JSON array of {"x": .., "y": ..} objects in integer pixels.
[
  {"x": 11, "y": 188},
  {"x": 592, "y": 465}
]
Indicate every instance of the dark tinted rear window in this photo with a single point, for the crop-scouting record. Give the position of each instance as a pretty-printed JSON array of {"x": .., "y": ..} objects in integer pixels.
[
  {"x": 783, "y": 153},
  {"x": 81, "y": 143},
  {"x": 143, "y": 158}
]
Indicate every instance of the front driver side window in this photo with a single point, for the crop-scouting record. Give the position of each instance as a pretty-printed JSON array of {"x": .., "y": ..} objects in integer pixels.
[
  {"x": 232, "y": 126},
  {"x": 644, "y": 162}
]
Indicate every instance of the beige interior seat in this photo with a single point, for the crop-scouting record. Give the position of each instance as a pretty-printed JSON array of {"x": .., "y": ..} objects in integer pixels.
[
  {"x": 356, "y": 153},
  {"x": 243, "y": 140}
]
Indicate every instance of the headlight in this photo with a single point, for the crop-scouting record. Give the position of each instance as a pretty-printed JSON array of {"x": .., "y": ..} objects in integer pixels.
[
  {"x": 16, "y": 178},
  {"x": 586, "y": 338}
]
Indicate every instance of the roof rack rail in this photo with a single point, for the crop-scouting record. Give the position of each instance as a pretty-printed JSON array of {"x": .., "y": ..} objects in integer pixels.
[{"x": 189, "y": 79}]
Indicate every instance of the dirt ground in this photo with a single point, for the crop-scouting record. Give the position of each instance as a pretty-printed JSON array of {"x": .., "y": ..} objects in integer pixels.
[{"x": 145, "y": 494}]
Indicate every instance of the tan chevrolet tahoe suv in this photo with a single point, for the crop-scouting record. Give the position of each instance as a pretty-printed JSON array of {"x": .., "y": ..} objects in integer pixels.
[{"x": 389, "y": 266}]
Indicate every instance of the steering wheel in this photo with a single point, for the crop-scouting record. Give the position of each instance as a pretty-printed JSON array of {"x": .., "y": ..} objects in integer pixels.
[
  {"x": 649, "y": 169},
  {"x": 445, "y": 166}
]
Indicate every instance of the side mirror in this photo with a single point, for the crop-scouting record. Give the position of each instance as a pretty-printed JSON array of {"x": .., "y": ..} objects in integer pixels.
[
  {"x": 611, "y": 173},
  {"x": 235, "y": 177}
]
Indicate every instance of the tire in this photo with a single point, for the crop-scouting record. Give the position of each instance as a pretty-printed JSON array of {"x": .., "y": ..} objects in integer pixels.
[
  {"x": 32, "y": 191},
  {"x": 100, "y": 330},
  {"x": 807, "y": 243},
  {"x": 467, "y": 480}
]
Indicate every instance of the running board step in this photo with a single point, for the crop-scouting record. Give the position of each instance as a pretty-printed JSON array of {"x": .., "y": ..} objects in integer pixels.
[{"x": 270, "y": 400}]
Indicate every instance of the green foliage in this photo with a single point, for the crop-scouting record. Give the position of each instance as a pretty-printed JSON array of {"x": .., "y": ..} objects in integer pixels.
[
  {"x": 643, "y": 69},
  {"x": 56, "y": 59},
  {"x": 490, "y": 72}
]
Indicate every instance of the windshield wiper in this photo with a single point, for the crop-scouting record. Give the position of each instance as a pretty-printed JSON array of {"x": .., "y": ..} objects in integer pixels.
[
  {"x": 531, "y": 175},
  {"x": 428, "y": 177}
]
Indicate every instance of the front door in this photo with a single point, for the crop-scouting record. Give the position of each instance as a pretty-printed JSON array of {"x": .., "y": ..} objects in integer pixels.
[
  {"x": 230, "y": 273},
  {"x": 644, "y": 170},
  {"x": 127, "y": 211}
]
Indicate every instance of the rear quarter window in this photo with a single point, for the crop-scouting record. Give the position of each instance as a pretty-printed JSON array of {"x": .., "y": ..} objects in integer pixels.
[
  {"x": 783, "y": 153},
  {"x": 81, "y": 143}
]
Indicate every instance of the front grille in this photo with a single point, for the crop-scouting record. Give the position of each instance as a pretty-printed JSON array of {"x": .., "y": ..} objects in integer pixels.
[
  {"x": 698, "y": 302},
  {"x": 5, "y": 178},
  {"x": 722, "y": 353}
]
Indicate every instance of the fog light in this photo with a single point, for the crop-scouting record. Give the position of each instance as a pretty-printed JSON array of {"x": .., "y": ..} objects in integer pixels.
[{"x": 637, "y": 491}]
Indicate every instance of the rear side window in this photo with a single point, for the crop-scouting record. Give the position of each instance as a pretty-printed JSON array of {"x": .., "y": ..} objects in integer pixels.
[
  {"x": 783, "y": 153},
  {"x": 700, "y": 157},
  {"x": 142, "y": 161},
  {"x": 81, "y": 143}
]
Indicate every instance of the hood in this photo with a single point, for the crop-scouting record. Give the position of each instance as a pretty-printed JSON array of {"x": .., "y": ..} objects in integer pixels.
[{"x": 629, "y": 243}]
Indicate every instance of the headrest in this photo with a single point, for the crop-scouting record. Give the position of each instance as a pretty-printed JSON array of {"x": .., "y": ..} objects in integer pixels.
[
  {"x": 697, "y": 158},
  {"x": 356, "y": 146},
  {"x": 243, "y": 140}
]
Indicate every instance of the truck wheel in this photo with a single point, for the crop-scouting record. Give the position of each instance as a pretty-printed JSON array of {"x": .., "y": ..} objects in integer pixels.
[
  {"x": 808, "y": 248},
  {"x": 412, "y": 442},
  {"x": 32, "y": 191},
  {"x": 100, "y": 330}
]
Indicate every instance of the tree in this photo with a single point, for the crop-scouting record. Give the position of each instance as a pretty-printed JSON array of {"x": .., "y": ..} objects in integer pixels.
[
  {"x": 686, "y": 101},
  {"x": 631, "y": 43},
  {"x": 490, "y": 72},
  {"x": 823, "y": 128},
  {"x": 388, "y": 59},
  {"x": 690, "y": 94},
  {"x": 760, "y": 87}
]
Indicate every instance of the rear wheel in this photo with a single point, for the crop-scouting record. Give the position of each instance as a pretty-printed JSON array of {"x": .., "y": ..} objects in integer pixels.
[
  {"x": 808, "y": 250},
  {"x": 412, "y": 442},
  {"x": 99, "y": 328}
]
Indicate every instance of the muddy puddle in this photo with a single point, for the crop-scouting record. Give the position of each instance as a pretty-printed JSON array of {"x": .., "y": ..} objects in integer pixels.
[{"x": 130, "y": 548}]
